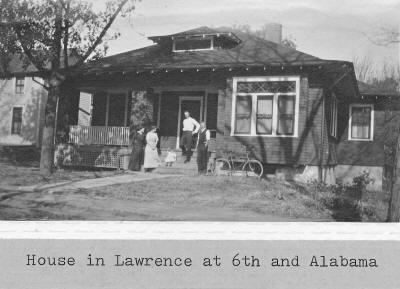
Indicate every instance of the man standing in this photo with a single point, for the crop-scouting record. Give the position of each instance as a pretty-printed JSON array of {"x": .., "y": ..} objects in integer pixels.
[
  {"x": 202, "y": 149},
  {"x": 190, "y": 127}
]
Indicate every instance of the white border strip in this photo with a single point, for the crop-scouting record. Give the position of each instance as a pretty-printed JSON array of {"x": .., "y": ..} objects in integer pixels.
[{"x": 198, "y": 231}]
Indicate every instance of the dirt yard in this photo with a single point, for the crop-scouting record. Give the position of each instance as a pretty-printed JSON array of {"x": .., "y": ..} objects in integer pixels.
[
  {"x": 183, "y": 198},
  {"x": 19, "y": 175}
]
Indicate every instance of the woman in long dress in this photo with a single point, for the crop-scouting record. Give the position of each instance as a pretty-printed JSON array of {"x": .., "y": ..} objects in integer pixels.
[
  {"x": 151, "y": 158},
  {"x": 136, "y": 159}
]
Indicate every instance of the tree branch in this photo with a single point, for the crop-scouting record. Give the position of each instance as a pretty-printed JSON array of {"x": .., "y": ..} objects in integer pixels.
[
  {"x": 29, "y": 54},
  {"x": 66, "y": 35},
  {"x": 102, "y": 34}
]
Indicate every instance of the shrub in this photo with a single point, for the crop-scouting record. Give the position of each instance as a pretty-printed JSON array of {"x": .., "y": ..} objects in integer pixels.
[{"x": 343, "y": 199}]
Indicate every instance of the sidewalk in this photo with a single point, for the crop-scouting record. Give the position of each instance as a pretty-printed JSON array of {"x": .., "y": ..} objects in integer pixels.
[{"x": 89, "y": 183}]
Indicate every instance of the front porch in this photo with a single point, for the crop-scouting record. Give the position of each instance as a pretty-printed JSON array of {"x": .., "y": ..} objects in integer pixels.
[{"x": 101, "y": 137}]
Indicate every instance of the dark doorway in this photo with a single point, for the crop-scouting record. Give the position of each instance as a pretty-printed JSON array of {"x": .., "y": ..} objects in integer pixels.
[{"x": 195, "y": 107}]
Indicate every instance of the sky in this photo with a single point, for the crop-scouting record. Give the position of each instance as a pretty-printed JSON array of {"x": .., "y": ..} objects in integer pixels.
[{"x": 329, "y": 29}]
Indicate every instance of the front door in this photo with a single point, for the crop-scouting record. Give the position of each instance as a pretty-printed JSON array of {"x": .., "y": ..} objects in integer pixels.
[{"x": 192, "y": 104}]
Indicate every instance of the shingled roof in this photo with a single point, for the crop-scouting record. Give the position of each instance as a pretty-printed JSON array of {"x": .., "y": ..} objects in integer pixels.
[{"x": 251, "y": 51}]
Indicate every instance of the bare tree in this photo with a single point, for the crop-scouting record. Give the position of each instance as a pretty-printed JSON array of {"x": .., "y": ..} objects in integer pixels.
[
  {"x": 45, "y": 32},
  {"x": 364, "y": 68},
  {"x": 386, "y": 78}
]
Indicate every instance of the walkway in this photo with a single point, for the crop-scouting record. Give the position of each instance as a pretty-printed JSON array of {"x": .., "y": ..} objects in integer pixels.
[{"x": 89, "y": 183}]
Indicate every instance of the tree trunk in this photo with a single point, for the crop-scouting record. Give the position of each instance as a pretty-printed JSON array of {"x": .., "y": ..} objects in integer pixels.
[
  {"x": 394, "y": 188},
  {"x": 47, "y": 151}
]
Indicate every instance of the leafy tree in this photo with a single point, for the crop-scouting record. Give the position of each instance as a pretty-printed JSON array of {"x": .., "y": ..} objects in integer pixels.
[{"x": 45, "y": 32}]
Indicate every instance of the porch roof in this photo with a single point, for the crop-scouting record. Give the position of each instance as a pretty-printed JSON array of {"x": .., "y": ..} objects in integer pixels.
[{"x": 250, "y": 51}]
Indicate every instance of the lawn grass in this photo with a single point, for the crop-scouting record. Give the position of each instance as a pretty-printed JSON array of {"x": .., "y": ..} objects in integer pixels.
[
  {"x": 28, "y": 175},
  {"x": 183, "y": 198},
  {"x": 263, "y": 198},
  {"x": 271, "y": 197}
]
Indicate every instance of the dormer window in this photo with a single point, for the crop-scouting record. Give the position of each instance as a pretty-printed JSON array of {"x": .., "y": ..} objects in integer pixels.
[{"x": 193, "y": 44}]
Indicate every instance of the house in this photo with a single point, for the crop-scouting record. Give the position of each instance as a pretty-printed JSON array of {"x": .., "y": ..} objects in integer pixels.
[
  {"x": 22, "y": 100},
  {"x": 289, "y": 108},
  {"x": 367, "y": 143}
]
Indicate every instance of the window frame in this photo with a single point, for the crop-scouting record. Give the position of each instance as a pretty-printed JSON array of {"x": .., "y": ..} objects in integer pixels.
[
  {"x": 19, "y": 86},
  {"x": 334, "y": 116},
  {"x": 211, "y": 38},
  {"x": 12, "y": 119},
  {"x": 371, "y": 134},
  {"x": 253, "y": 124}
]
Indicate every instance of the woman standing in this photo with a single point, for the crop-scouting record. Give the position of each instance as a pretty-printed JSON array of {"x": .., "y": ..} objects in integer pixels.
[
  {"x": 136, "y": 159},
  {"x": 151, "y": 158}
]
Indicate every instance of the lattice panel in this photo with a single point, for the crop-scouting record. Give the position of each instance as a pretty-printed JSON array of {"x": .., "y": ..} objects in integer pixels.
[{"x": 91, "y": 157}]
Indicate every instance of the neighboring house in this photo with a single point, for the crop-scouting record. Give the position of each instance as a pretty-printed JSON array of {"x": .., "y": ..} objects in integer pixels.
[
  {"x": 370, "y": 122},
  {"x": 22, "y": 100},
  {"x": 291, "y": 109}
]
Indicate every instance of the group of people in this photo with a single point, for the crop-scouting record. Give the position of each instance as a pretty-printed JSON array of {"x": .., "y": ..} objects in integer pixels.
[{"x": 146, "y": 150}]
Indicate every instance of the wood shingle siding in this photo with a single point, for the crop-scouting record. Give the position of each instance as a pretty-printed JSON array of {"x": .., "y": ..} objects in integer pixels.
[{"x": 369, "y": 153}]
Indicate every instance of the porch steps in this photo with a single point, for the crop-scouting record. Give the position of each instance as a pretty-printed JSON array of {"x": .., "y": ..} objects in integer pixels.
[{"x": 179, "y": 167}]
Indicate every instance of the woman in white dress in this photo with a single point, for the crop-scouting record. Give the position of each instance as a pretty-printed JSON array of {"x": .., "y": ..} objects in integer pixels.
[{"x": 151, "y": 158}]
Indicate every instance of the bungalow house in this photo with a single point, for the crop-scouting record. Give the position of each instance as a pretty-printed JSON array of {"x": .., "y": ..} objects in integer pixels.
[{"x": 298, "y": 114}]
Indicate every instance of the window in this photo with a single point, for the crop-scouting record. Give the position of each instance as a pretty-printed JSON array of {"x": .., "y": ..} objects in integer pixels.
[
  {"x": 264, "y": 114},
  {"x": 333, "y": 126},
  {"x": 191, "y": 44},
  {"x": 16, "y": 122},
  {"x": 243, "y": 114},
  {"x": 266, "y": 106},
  {"x": 286, "y": 114},
  {"x": 361, "y": 122},
  {"x": 19, "y": 85}
]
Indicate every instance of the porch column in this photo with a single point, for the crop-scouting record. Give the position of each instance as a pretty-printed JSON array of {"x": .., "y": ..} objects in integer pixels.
[{"x": 141, "y": 114}]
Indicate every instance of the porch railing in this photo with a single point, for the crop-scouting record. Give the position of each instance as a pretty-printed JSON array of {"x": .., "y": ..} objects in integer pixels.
[{"x": 99, "y": 135}]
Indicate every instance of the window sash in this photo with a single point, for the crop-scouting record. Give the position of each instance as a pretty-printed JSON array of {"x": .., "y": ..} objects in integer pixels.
[
  {"x": 19, "y": 84},
  {"x": 16, "y": 121},
  {"x": 243, "y": 114},
  {"x": 265, "y": 113},
  {"x": 256, "y": 118},
  {"x": 286, "y": 114},
  {"x": 361, "y": 122},
  {"x": 193, "y": 44}
]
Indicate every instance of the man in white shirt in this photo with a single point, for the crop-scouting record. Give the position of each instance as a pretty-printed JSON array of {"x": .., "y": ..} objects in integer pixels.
[
  {"x": 190, "y": 127},
  {"x": 202, "y": 149}
]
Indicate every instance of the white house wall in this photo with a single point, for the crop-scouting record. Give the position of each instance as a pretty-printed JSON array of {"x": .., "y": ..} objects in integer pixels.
[{"x": 32, "y": 102}]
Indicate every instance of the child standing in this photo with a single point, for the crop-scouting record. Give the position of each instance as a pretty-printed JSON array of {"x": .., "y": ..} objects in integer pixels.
[{"x": 170, "y": 158}]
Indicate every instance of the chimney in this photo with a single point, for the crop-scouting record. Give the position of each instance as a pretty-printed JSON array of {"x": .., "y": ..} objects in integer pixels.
[{"x": 273, "y": 32}]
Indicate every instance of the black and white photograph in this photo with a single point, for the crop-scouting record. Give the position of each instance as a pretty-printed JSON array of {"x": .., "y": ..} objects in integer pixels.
[{"x": 221, "y": 111}]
